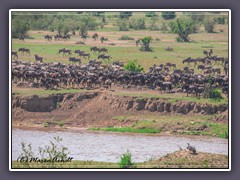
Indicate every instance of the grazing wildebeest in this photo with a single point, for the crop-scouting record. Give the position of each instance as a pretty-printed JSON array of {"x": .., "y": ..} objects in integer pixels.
[
  {"x": 103, "y": 39},
  {"x": 14, "y": 54},
  {"x": 84, "y": 54},
  {"x": 48, "y": 37},
  {"x": 64, "y": 50},
  {"x": 21, "y": 38},
  {"x": 24, "y": 50},
  {"x": 103, "y": 56},
  {"x": 94, "y": 49},
  {"x": 210, "y": 52},
  {"x": 38, "y": 58},
  {"x": 84, "y": 37},
  {"x": 103, "y": 50},
  {"x": 137, "y": 42},
  {"x": 165, "y": 86},
  {"x": 216, "y": 70},
  {"x": 108, "y": 84},
  {"x": 57, "y": 37},
  {"x": 66, "y": 37},
  {"x": 73, "y": 59},
  {"x": 188, "y": 60},
  {"x": 95, "y": 36},
  {"x": 205, "y": 53}
]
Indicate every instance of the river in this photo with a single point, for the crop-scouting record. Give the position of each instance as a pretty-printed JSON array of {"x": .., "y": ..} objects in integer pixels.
[{"x": 108, "y": 147}]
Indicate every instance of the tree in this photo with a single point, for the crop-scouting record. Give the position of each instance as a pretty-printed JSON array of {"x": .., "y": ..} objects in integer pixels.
[
  {"x": 133, "y": 66},
  {"x": 20, "y": 27},
  {"x": 209, "y": 25},
  {"x": 123, "y": 25},
  {"x": 183, "y": 28},
  {"x": 125, "y": 14},
  {"x": 151, "y": 14},
  {"x": 168, "y": 15},
  {"x": 145, "y": 43}
]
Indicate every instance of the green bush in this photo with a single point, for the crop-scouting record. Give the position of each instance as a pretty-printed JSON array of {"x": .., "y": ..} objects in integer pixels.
[
  {"x": 133, "y": 66},
  {"x": 123, "y": 15},
  {"x": 126, "y": 160},
  {"x": 145, "y": 43},
  {"x": 126, "y": 37},
  {"x": 123, "y": 25},
  {"x": 151, "y": 14},
  {"x": 209, "y": 25},
  {"x": 216, "y": 94},
  {"x": 220, "y": 20},
  {"x": 183, "y": 27},
  {"x": 168, "y": 15},
  {"x": 153, "y": 24},
  {"x": 137, "y": 23}
]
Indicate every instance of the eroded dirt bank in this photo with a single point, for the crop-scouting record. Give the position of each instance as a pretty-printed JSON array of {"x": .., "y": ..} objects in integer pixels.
[{"x": 97, "y": 108}]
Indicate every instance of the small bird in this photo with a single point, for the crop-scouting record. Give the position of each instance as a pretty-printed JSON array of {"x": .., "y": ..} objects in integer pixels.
[{"x": 191, "y": 148}]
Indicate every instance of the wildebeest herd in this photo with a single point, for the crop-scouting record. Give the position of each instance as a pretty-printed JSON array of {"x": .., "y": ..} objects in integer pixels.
[{"x": 163, "y": 77}]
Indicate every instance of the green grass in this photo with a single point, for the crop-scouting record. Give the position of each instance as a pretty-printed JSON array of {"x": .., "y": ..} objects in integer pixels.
[
  {"x": 126, "y": 129},
  {"x": 214, "y": 129},
  {"x": 174, "y": 98},
  {"x": 43, "y": 92},
  {"x": 177, "y": 124}
]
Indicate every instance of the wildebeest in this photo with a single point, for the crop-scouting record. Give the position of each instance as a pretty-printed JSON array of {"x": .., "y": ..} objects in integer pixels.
[
  {"x": 57, "y": 37},
  {"x": 24, "y": 50},
  {"x": 103, "y": 56},
  {"x": 14, "y": 54},
  {"x": 64, "y": 50},
  {"x": 94, "y": 49},
  {"x": 84, "y": 54},
  {"x": 66, "y": 37},
  {"x": 95, "y": 36},
  {"x": 38, "y": 58},
  {"x": 84, "y": 37},
  {"x": 73, "y": 59},
  {"x": 188, "y": 60},
  {"x": 48, "y": 37},
  {"x": 103, "y": 50},
  {"x": 103, "y": 39},
  {"x": 21, "y": 38},
  {"x": 137, "y": 42}
]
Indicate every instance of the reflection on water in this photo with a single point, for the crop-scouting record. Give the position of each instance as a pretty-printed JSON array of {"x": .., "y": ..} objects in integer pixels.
[{"x": 85, "y": 145}]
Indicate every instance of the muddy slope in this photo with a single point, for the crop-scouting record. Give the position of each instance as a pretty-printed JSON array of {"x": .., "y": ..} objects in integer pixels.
[{"x": 85, "y": 109}]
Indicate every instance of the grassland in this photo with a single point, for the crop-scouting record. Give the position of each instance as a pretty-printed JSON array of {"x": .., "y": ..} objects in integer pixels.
[
  {"x": 126, "y": 50},
  {"x": 203, "y": 125},
  {"x": 179, "y": 159},
  {"x": 174, "y": 97},
  {"x": 43, "y": 92}
]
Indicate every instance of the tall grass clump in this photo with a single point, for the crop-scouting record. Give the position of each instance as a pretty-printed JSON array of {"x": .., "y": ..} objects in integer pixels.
[{"x": 126, "y": 160}]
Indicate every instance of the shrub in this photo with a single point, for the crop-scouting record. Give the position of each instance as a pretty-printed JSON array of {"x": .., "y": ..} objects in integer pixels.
[
  {"x": 209, "y": 25},
  {"x": 126, "y": 37},
  {"x": 145, "y": 43},
  {"x": 123, "y": 25},
  {"x": 133, "y": 66},
  {"x": 123, "y": 15},
  {"x": 151, "y": 14},
  {"x": 137, "y": 23},
  {"x": 126, "y": 160},
  {"x": 216, "y": 94},
  {"x": 168, "y": 15},
  {"x": 183, "y": 27},
  {"x": 220, "y": 20},
  {"x": 163, "y": 26},
  {"x": 153, "y": 24}
]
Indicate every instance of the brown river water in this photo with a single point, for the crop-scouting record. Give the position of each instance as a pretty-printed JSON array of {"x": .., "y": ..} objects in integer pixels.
[{"x": 108, "y": 147}]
